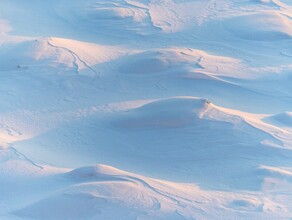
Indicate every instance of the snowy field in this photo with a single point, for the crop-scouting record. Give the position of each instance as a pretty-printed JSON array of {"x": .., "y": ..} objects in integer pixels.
[{"x": 145, "y": 109}]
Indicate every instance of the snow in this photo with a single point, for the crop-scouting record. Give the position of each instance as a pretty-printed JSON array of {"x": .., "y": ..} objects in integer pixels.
[
  {"x": 135, "y": 109},
  {"x": 268, "y": 26},
  {"x": 283, "y": 118}
]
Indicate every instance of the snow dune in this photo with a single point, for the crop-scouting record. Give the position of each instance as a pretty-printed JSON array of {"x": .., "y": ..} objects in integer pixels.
[
  {"x": 283, "y": 118},
  {"x": 105, "y": 192},
  {"x": 261, "y": 26},
  {"x": 186, "y": 102},
  {"x": 143, "y": 137}
]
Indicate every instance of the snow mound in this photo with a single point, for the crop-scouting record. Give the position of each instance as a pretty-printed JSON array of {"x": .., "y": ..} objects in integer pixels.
[
  {"x": 124, "y": 195},
  {"x": 172, "y": 112},
  {"x": 283, "y": 118},
  {"x": 140, "y": 138},
  {"x": 179, "y": 62},
  {"x": 54, "y": 53},
  {"x": 121, "y": 196},
  {"x": 153, "y": 62},
  {"x": 96, "y": 172},
  {"x": 33, "y": 54},
  {"x": 265, "y": 26},
  {"x": 119, "y": 200}
]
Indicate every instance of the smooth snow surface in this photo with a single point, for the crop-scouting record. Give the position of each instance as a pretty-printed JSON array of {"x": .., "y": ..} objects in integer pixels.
[{"x": 145, "y": 109}]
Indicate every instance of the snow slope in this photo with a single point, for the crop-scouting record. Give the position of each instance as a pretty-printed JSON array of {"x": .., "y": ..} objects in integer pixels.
[{"x": 192, "y": 97}]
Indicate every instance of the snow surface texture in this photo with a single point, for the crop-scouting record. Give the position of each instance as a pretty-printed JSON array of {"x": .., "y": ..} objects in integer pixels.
[{"x": 192, "y": 97}]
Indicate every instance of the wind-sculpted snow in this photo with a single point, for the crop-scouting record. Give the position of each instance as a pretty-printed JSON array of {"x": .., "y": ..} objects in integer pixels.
[
  {"x": 104, "y": 192},
  {"x": 283, "y": 118},
  {"x": 261, "y": 27},
  {"x": 141, "y": 138},
  {"x": 192, "y": 97}
]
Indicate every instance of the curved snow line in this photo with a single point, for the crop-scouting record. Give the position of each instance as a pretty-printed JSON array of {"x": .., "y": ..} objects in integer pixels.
[
  {"x": 75, "y": 57},
  {"x": 26, "y": 158}
]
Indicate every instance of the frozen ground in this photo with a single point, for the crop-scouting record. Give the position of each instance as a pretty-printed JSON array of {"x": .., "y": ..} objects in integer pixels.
[{"x": 186, "y": 105}]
